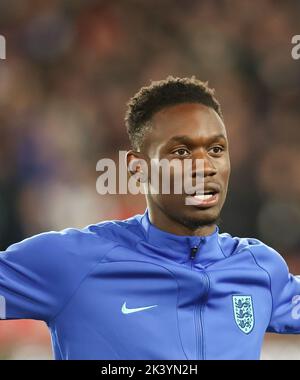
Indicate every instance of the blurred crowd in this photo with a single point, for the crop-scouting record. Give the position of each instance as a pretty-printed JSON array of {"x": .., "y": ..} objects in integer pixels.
[{"x": 71, "y": 67}]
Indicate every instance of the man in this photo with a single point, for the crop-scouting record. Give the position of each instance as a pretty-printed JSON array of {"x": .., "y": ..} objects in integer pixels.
[{"x": 166, "y": 284}]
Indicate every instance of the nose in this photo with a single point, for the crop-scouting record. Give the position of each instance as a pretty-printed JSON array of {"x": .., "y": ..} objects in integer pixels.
[{"x": 205, "y": 167}]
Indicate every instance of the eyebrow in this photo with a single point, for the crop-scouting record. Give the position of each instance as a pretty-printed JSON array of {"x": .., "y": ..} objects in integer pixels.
[{"x": 188, "y": 140}]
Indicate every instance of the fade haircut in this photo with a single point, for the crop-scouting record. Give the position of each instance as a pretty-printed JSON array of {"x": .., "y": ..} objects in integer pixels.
[{"x": 160, "y": 94}]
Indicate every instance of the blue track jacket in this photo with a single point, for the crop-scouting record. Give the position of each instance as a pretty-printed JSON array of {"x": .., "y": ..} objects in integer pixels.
[{"x": 128, "y": 290}]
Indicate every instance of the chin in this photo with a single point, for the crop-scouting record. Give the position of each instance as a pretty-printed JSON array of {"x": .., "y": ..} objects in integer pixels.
[{"x": 199, "y": 218}]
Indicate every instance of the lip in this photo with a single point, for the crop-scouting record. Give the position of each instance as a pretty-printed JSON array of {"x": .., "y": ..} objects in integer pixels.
[
  {"x": 208, "y": 187},
  {"x": 195, "y": 200}
]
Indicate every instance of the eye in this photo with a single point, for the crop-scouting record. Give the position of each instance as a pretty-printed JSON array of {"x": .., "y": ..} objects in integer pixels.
[
  {"x": 217, "y": 149},
  {"x": 181, "y": 152}
]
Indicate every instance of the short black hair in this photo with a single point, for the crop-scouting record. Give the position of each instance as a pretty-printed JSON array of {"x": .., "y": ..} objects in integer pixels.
[{"x": 160, "y": 94}]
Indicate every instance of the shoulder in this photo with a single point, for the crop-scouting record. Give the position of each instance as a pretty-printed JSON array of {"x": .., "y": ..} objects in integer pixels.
[
  {"x": 122, "y": 232},
  {"x": 269, "y": 259},
  {"x": 53, "y": 240},
  {"x": 98, "y": 237},
  {"x": 66, "y": 254},
  {"x": 264, "y": 255}
]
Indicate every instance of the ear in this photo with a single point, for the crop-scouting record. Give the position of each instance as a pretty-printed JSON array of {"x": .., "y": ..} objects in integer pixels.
[
  {"x": 137, "y": 166},
  {"x": 132, "y": 161}
]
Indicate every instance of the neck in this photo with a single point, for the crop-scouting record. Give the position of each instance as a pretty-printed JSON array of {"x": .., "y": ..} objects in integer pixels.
[{"x": 164, "y": 222}]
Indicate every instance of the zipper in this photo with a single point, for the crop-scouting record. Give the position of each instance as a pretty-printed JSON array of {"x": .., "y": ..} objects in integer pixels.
[
  {"x": 193, "y": 252},
  {"x": 199, "y": 309}
]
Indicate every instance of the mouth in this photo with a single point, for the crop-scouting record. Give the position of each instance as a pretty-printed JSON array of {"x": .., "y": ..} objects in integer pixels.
[{"x": 208, "y": 198}]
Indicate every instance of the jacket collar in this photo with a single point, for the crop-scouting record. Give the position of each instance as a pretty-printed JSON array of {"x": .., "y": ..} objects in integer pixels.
[{"x": 178, "y": 248}]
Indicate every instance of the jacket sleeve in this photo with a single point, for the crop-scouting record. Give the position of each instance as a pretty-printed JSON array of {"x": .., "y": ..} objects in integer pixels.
[
  {"x": 285, "y": 291},
  {"x": 38, "y": 274}
]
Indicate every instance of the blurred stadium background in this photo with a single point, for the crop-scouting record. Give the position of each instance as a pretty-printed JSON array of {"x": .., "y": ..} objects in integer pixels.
[{"x": 71, "y": 67}]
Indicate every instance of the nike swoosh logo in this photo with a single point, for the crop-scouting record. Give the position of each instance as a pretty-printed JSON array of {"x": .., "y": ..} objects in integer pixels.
[{"x": 126, "y": 310}]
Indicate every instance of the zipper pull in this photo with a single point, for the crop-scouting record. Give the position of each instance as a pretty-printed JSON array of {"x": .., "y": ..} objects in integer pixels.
[{"x": 193, "y": 252}]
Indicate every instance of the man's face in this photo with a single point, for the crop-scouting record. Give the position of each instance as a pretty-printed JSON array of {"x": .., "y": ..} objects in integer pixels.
[{"x": 190, "y": 131}]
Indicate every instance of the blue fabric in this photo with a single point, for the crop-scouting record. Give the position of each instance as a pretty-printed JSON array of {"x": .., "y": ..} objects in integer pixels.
[{"x": 215, "y": 306}]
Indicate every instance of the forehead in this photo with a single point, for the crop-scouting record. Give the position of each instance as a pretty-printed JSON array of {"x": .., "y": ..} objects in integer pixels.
[{"x": 191, "y": 119}]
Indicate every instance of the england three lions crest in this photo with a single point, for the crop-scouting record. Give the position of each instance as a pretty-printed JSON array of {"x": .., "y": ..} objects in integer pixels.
[{"x": 243, "y": 313}]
